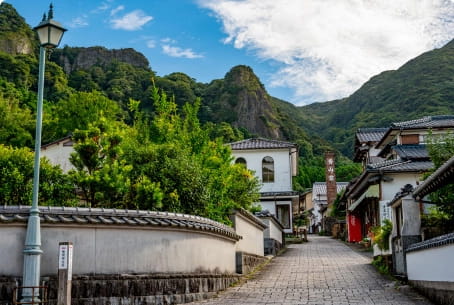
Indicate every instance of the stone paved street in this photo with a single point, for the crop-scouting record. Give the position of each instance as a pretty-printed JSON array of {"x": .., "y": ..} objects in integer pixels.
[{"x": 323, "y": 271}]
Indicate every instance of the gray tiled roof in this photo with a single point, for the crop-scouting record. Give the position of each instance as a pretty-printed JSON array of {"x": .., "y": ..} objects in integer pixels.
[
  {"x": 267, "y": 214},
  {"x": 87, "y": 216},
  {"x": 370, "y": 134},
  {"x": 399, "y": 165},
  {"x": 432, "y": 243},
  {"x": 427, "y": 122},
  {"x": 260, "y": 143},
  {"x": 411, "y": 152},
  {"x": 320, "y": 187}
]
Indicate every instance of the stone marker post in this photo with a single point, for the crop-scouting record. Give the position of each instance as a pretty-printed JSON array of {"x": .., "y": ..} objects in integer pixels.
[{"x": 65, "y": 261}]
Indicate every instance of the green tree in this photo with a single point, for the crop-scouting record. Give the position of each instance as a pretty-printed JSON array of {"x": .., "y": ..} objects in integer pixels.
[
  {"x": 16, "y": 123},
  {"x": 194, "y": 173},
  {"x": 77, "y": 111},
  {"x": 16, "y": 177},
  {"x": 101, "y": 175},
  {"x": 441, "y": 148}
]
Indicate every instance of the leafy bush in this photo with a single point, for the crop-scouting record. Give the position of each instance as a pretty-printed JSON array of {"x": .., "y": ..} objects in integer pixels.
[
  {"x": 380, "y": 235},
  {"x": 381, "y": 264},
  {"x": 16, "y": 178}
]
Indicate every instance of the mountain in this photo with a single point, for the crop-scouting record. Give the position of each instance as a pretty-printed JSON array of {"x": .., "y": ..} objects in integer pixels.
[
  {"x": 423, "y": 86},
  {"x": 16, "y": 37},
  {"x": 73, "y": 59}
]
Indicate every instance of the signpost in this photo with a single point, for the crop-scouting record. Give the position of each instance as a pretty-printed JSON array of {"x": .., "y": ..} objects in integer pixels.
[{"x": 65, "y": 262}]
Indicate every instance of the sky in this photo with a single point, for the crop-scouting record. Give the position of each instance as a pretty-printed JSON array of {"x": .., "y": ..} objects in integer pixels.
[{"x": 303, "y": 51}]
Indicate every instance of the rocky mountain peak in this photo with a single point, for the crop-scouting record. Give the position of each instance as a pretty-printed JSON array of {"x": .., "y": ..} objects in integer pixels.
[{"x": 76, "y": 58}]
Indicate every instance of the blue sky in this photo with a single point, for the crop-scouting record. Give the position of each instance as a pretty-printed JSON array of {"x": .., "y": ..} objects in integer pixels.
[{"x": 303, "y": 51}]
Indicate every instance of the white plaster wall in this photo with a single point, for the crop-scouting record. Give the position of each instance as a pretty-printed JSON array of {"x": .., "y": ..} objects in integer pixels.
[
  {"x": 282, "y": 167},
  {"x": 252, "y": 241},
  {"x": 373, "y": 152},
  {"x": 268, "y": 205},
  {"x": 59, "y": 155},
  {"x": 273, "y": 231},
  {"x": 112, "y": 250},
  {"x": 433, "y": 264},
  {"x": 389, "y": 189}
]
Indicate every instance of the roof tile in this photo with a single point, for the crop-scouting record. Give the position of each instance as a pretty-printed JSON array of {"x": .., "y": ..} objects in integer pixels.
[
  {"x": 365, "y": 135},
  {"x": 84, "y": 216},
  {"x": 427, "y": 122},
  {"x": 260, "y": 143},
  {"x": 411, "y": 152}
]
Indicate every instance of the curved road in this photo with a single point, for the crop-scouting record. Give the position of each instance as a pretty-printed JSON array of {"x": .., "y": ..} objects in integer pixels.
[{"x": 323, "y": 271}]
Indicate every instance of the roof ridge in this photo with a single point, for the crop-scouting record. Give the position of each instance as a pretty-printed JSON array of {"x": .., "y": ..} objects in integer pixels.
[
  {"x": 422, "y": 120},
  {"x": 373, "y": 129},
  {"x": 385, "y": 163}
]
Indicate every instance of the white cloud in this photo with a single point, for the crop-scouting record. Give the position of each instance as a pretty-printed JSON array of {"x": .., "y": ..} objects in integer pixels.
[
  {"x": 101, "y": 8},
  {"x": 117, "y": 9},
  {"x": 179, "y": 52},
  {"x": 131, "y": 21},
  {"x": 151, "y": 43},
  {"x": 79, "y": 22},
  {"x": 327, "y": 49},
  {"x": 170, "y": 40}
]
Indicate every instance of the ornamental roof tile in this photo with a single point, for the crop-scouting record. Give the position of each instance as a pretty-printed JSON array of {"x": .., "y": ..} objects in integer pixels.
[
  {"x": 260, "y": 143},
  {"x": 87, "y": 216},
  {"x": 365, "y": 135},
  {"x": 427, "y": 122}
]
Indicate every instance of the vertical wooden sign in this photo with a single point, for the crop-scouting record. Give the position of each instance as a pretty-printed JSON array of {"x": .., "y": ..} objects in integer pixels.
[{"x": 65, "y": 262}]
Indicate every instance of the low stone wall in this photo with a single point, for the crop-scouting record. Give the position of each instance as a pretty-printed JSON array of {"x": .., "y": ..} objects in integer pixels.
[
  {"x": 272, "y": 246},
  {"x": 441, "y": 292},
  {"x": 246, "y": 262},
  {"x": 126, "y": 289}
]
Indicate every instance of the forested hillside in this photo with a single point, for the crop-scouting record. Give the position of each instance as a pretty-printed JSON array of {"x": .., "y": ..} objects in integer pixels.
[
  {"x": 88, "y": 88},
  {"x": 423, "y": 86}
]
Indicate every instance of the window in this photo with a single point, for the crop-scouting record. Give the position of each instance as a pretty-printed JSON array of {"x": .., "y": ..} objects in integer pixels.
[
  {"x": 283, "y": 215},
  {"x": 409, "y": 139},
  {"x": 241, "y": 161},
  {"x": 267, "y": 169}
]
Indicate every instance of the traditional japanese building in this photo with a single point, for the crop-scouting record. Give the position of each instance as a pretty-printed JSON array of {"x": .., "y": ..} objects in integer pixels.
[
  {"x": 275, "y": 163},
  {"x": 397, "y": 159}
]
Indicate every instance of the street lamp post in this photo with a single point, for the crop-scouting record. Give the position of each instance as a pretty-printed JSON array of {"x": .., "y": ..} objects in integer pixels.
[{"x": 50, "y": 33}]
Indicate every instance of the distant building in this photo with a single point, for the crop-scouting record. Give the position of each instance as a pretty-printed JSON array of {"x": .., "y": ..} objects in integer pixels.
[
  {"x": 59, "y": 152},
  {"x": 275, "y": 163},
  {"x": 320, "y": 204}
]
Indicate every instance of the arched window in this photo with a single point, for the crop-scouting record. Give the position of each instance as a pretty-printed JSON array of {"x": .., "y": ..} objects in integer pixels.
[
  {"x": 267, "y": 169},
  {"x": 241, "y": 161}
]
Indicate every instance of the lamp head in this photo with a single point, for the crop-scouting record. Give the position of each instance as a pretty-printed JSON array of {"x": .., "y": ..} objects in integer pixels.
[{"x": 50, "y": 32}]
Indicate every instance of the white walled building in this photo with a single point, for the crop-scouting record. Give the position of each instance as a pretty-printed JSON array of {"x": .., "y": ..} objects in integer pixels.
[
  {"x": 320, "y": 203},
  {"x": 274, "y": 163},
  {"x": 59, "y": 152}
]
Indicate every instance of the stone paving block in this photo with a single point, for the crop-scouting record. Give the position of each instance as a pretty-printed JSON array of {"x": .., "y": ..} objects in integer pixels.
[{"x": 321, "y": 272}]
